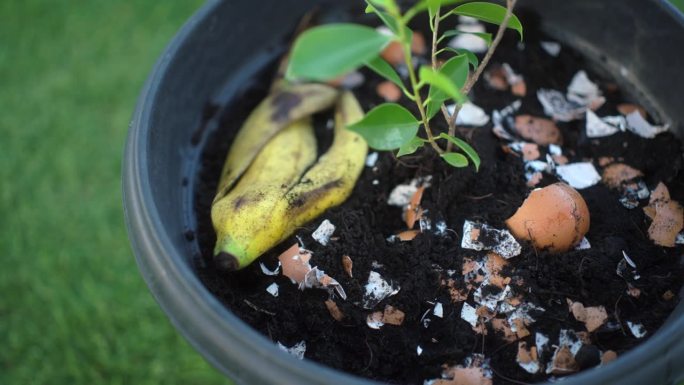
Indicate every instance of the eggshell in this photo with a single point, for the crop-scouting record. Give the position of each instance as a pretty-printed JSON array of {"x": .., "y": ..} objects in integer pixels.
[
  {"x": 388, "y": 91},
  {"x": 555, "y": 217},
  {"x": 628, "y": 108},
  {"x": 393, "y": 53},
  {"x": 335, "y": 311},
  {"x": 539, "y": 130},
  {"x": 617, "y": 173}
]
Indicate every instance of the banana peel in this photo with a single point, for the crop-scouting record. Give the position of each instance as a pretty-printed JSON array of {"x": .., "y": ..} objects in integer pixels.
[
  {"x": 287, "y": 103},
  {"x": 282, "y": 185}
]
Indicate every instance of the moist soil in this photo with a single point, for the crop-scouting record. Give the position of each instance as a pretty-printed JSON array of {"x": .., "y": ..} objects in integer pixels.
[{"x": 365, "y": 221}]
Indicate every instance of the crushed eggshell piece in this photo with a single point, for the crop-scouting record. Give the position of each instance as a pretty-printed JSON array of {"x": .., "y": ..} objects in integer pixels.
[
  {"x": 374, "y": 320},
  {"x": 267, "y": 271},
  {"x": 614, "y": 175},
  {"x": 638, "y": 330},
  {"x": 579, "y": 175},
  {"x": 469, "y": 115},
  {"x": 334, "y": 310},
  {"x": 501, "y": 325},
  {"x": 469, "y": 314},
  {"x": 272, "y": 289},
  {"x": 551, "y": 47},
  {"x": 628, "y": 108},
  {"x": 401, "y": 194},
  {"x": 558, "y": 107},
  {"x": 585, "y": 92},
  {"x": 393, "y": 316},
  {"x": 468, "y": 41},
  {"x": 539, "y": 130},
  {"x": 408, "y": 235},
  {"x": 555, "y": 217},
  {"x": 413, "y": 210},
  {"x": 347, "y": 264},
  {"x": 667, "y": 217},
  {"x": 438, "y": 310},
  {"x": 295, "y": 263},
  {"x": 593, "y": 316},
  {"x": 377, "y": 289},
  {"x": 527, "y": 358},
  {"x": 640, "y": 126},
  {"x": 480, "y": 236},
  {"x": 296, "y": 350},
  {"x": 323, "y": 233},
  {"x": 633, "y": 291},
  {"x": 608, "y": 356},
  {"x": 388, "y": 91},
  {"x": 317, "y": 279},
  {"x": 597, "y": 127},
  {"x": 371, "y": 159},
  {"x": 563, "y": 362},
  {"x": 583, "y": 245},
  {"x": 390, "y": 316},
  {"x": 667, "y": 223}
]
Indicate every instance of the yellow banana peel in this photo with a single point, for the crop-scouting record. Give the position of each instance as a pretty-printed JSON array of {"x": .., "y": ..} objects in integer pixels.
[{"x": 281, "y": 191}]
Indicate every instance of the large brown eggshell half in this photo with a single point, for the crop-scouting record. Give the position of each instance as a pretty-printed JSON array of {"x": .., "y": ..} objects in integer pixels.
[{"x": 555, "y": 217}]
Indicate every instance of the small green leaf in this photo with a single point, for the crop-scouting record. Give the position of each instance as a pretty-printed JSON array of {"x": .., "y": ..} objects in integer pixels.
[
  {"x": 442, "y": 82},
  {"x": 411, "y": 146},
  {"x": 455, "y": 159},
  {"x": 472, "y": 58},
  {"x": 463, "y": 145},
  {"x": 487, "y": 37},
  {"x": 384, "y": 69},
  {"x": 423, "y": 5},
  {"x": 490, "y": 13},
  {"x": 387, "y": 126},
  {"x": 455, "y": 69},
  {"x": 390, "y": 5},
  {"x": 325, "y": 52}
]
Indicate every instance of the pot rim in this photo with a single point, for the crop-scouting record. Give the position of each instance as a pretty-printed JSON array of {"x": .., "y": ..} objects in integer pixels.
[{"x": 227, "y": 342}]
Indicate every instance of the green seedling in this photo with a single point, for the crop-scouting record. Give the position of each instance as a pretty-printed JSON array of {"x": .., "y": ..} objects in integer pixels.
[{"x": 326, "y": 52}]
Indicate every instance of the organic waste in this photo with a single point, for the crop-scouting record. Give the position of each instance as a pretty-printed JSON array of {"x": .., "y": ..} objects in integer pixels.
[
  {"x": 284, "y": 187},
  {"x": 559, "y": 255}
]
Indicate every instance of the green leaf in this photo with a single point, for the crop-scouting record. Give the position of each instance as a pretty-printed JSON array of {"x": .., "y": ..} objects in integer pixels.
[
  {"x": 487, "y": 37},
  {"x": 387, "y": 126},
  {"x": 389, "y": 5},
  {"x": 455, "y": 69},
  {"x": 325, "y": 52},
  {"x": 455, "y": 159},
  {"x": 442, "y": 82},
  {"x": 463, "y": 145},
  {"x": 411, "y": 146},
  {"x": 391, "y": 23},
  {"x": 490, "y": 13},
  {"x": 423, "y": 5},
  {"x": 384, "y": 69}
]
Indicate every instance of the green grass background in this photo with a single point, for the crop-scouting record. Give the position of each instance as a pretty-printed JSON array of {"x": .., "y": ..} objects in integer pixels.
[{"x": 73, "y": 308}]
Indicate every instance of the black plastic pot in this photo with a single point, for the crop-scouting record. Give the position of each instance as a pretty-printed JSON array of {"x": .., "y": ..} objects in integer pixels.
[{"x": 221, "y": 47}]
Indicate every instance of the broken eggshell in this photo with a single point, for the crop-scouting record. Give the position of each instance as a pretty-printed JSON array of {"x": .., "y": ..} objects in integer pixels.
[
  {"x": 555, "y": 217},
  {"x": 480, "y": 236},
  {"x": 539, "y": 130}
]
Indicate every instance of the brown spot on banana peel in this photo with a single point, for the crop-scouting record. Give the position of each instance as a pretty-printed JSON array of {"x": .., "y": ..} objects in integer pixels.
[
  {"x": 274, "y": 113},
  {"x": 282, "y": 103},
  {"x": 310, "y": 197}
]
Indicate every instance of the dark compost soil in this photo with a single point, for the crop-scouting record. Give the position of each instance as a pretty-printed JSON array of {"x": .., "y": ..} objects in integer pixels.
[{"x": 365, "y": 221}]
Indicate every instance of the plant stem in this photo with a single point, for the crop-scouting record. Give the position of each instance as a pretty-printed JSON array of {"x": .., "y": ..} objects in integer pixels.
[
  {"x": 416, "y": 91},
  {"x": 435, "y": 39},
  {"x": 510, "y": 4}
]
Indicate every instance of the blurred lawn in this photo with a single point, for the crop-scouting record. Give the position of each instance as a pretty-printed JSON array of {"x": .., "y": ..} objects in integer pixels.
[{"x": 73, "y": 308}]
